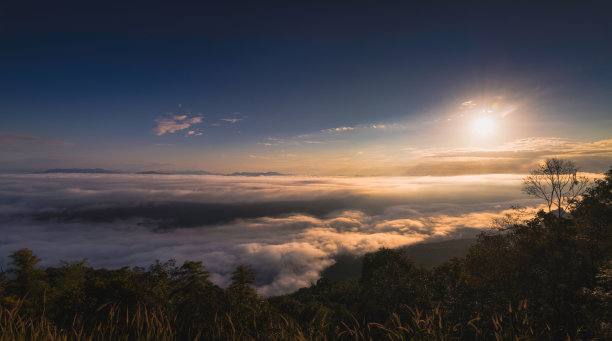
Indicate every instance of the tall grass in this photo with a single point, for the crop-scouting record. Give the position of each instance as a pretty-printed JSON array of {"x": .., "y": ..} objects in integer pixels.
[
  {"x": 142, "y": 324},
  {"x": 514, "y": 324},
  {"x": 146, "y": 323}
]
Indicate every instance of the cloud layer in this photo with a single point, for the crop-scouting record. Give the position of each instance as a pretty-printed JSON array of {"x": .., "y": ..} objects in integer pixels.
[{"x": 289, "y": 228}]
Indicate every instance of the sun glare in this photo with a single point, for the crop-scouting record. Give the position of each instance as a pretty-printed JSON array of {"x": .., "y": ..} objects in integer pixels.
[{"x": 483, "y": 125}]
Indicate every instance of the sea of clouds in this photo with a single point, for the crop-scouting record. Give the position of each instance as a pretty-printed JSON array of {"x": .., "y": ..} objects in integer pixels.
[{"x": 288, "y": 228}]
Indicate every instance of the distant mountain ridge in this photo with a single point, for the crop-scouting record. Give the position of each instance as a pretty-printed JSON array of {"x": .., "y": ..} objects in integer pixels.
[
  {"x": 256, "y": 174},
  {"x": 153, "y": 172},
  {"x": 198, "y": 172},
  {"x": 81, "y": 170}
]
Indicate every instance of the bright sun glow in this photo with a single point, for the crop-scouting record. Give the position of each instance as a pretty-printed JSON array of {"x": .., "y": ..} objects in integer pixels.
[{"x": 483, "y": 125}]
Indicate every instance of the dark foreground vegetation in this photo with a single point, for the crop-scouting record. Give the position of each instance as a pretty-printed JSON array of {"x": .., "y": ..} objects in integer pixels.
[{"x": 548, "y": 277}]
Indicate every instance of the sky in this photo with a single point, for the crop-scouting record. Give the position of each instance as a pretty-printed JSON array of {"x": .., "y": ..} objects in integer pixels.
[{"x": 305, "y": 88}]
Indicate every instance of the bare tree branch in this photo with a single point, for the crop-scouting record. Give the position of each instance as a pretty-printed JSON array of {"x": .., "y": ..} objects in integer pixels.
[{"x": 555, "y": 181}]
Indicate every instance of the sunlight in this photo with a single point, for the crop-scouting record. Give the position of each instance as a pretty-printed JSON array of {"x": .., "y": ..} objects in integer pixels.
[{"x": 484, "y": 125}]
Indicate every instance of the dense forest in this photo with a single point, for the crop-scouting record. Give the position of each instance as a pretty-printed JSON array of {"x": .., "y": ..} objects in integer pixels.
[{"x": 545, "y": 277}]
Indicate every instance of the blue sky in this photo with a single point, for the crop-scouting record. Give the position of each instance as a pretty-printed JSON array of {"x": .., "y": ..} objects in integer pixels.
[{"x": 286, "y": 86}]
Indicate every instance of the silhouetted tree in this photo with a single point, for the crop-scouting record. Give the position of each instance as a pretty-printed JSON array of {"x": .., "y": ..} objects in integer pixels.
[
  {"x": 556, "y": 181},
  {"x": 68, "y": 284},
  {"x": 242, "y": 278},
  {"x": 391, "y": 282},
  {"x": 29, "y": 281},
  {"x": 196, "y": 297},
  {"x": 158, "y": 282},
  {"x": 593, "y": 216},
  {"x": 245, "y": 304},
  {"x": 3, "y": 281},
  {"x": 599, "y": 300}
]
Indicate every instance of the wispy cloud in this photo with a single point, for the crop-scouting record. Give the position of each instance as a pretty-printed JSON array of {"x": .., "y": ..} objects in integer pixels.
[
  {"x": 319, "y": 137},
  {"x": 254, "y": 156},
  {"x": 351, "y": 157},
  {"x": 530, "y": 147},
  {"x": 175, "y": 123},
  {"x": 232, "y": 120},
  {"x": 194, "y": 133},
  {"x": 468, "y": 104},
  {"x": 16, "y": 142},
  {"x": 338, "y": 129},
  {"x": 496, "y": 106},
  {"x": 363, "y": 127},
  {"x": 272, "y": 141},
  {"x": 518, "y": 156}
]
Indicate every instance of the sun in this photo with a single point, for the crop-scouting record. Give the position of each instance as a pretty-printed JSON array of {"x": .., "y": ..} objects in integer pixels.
[{"x": 484, "y": 125}]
